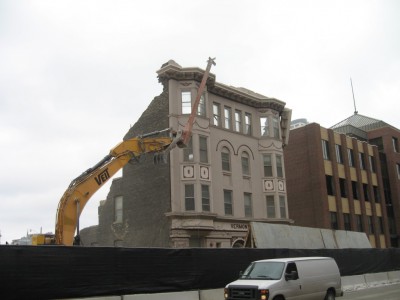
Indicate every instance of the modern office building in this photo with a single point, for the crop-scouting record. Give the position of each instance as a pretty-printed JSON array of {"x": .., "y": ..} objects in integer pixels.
[
  {"x": 336, "y": 178},
  {"x": 231, "y": 173}
]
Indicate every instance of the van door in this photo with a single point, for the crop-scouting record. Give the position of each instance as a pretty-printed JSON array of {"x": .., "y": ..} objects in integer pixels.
[{"x": 292, "y": 283}]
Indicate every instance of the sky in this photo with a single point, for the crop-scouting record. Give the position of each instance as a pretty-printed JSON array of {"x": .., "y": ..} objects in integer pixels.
[{"x": 76, "y": 75}]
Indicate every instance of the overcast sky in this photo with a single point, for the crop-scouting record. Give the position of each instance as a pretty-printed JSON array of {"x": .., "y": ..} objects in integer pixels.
[{"x": 75, "y": 75}]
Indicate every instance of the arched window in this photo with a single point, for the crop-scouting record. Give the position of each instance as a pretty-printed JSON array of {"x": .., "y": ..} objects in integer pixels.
[{"x": 226, "y": 159}]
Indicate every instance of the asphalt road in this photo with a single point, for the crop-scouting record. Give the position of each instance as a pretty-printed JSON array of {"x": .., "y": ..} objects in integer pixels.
[{"x": 388, "y": 292}]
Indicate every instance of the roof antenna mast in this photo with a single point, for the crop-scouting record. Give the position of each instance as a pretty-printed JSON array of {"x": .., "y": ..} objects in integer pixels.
[{"x": 354, "y": 100}]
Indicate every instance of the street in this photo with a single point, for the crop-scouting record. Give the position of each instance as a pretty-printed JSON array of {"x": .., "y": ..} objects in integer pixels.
[{"x": 388, "y": 292}]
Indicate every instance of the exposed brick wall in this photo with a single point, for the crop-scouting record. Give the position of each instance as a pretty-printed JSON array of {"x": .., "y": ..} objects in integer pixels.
[{"x": 145, "y": 188}]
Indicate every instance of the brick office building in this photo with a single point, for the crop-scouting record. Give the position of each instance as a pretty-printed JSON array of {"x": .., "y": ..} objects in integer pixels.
[
  {"x": 231, "y": 173},
  {"x": 336, "y": 178}
]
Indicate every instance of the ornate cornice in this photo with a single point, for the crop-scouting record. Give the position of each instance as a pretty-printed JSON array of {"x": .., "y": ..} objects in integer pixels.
[{"x": 172, "y": 70}]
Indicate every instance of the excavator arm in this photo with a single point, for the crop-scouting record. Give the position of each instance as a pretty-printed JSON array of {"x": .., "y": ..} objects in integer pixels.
[{"x": 84, "y": 186}]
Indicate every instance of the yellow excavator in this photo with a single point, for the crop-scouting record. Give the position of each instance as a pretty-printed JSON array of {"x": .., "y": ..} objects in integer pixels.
[{"x": 84, "y": 186}]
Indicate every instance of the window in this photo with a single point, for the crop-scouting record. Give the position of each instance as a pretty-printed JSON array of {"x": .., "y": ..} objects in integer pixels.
[
  {"x": 359, "y": 224},
  {"x": 188, "y": 151},
  {"x": 186, "y": 102},
  {"x": 118, "y": 209},
  {"x": 395, "y": 144},
  {"x": 238, "y": 121},
  {"x": 376, "y": 194},
  {"x": 201, "y": 109},
  {"x": 372, "y": 164},
  {"x": 226, "y": 159},
  {"x": 228, "y": 117},
  {"x": 371, "y": 229},
  {"x": 398, "y": 170},
  {"x": 217, "y": 114},
  {"x": 189, "y": 197},
  {"x": 334, "y": 223},
  {"x": 279, "y": 168},
  {"x": 203, "y": 149},
  {"x": 247, "y": 124},
  {"x": 267, "y": 165},
  {"x": 329, "y": 185},
  {"x": 245, "y": 164},
  {"x": 342, "y": 184},
  {"x": 347, "y": 223},
  {"x": 380, "y": 220},
  {"x": 339, "y": 157},
  {"x": 282, "y": 206},
  {"x": 325, "y": 149},
  {"x": 248, "y": 207},
  {"x": 275, "y": 126},
  {"x": 228, "y": 202},
  {"x": 264, "y": 126},
  {"x": 362, "y": 160},
  {"x": 350, "y": 154},
  {"x": 270, "y": 207},
  {"x": 366, "y": 194},
  {"x": 205, "y": 197},
  {"x": 354, "y": 187}
]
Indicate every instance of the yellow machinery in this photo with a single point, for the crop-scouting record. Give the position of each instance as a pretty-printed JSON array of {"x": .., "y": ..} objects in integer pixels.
[{"x": 83, "y": 187}]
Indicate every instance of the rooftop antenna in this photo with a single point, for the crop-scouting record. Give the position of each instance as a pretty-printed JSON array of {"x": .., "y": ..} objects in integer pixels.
[{"x": 354, "y": 100}]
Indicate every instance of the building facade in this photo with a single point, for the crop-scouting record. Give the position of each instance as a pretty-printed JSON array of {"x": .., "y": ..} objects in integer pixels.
[
  {"x": 231, "y": 173},
  {"x": 335, "y": 181}
]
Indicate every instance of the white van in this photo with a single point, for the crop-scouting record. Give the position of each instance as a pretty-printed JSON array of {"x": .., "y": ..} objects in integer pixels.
[{"x": 287, "y": 278}]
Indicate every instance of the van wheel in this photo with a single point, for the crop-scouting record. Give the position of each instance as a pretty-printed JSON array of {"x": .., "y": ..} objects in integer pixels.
[
  {"x": 330, "y": 295},
  {"x": 279, "y": 298}
]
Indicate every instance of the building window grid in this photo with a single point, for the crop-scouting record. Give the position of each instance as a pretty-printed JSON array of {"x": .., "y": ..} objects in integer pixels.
[
  {"x": 347, "y": 222},
  {"x": 275, "y": 126},
  {"x": 366, "y": 192},
  {"x": 282, "y": 206},
  {"x": 350, "y": 154},
  {"x": 267, "y": 158},
  {"x": 228, "y": 117},
  {"x": 248, "y": 206},
  {"x": 395, "y": 142},
  {"x": 354, "y": 187},
  {"x": 217, "y": 114},
  {"x": 205, "y": 197},
  {"x": 372, "y": 164},
  {"x": 325, "y": 149},
  {"x": 203, "y": 149},
  {"x": 189, "y": 197},
  {"x": 342, "y": 184},
  {"x": 264, "y": 126},
  {"x": 188, "y": 151},
  {"x": 362, "y": 160},
  {"x": 371, "y": 229},
  {"x": 279, "y": 166},
  {"x": 360, "y": 227},
  {"x": 226, "y": 159},
  {"x": 247, "y": 124},
  {"x": 270, "y": 206},
  {"x": 329, "y": 185},
  {"x": 334, "y": 222},
  {"x": 228, "y": 207},
  {"x": 186, "y": 102},
  {"x": 238, "y": 121},
  {"x": 245, "y": 164},
  {"x": 201, "y": 108},
  {"x": 339, "y": 156}
]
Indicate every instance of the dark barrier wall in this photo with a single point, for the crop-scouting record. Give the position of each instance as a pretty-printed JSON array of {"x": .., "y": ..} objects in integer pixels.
[{"x": 48, "y": 272}]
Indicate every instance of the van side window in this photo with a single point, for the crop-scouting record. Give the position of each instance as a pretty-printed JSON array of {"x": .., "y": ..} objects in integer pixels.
[{"x": 290, "y": 268}]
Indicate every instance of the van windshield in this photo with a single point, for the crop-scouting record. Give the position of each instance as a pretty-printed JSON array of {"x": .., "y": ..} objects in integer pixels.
[{"x": 264, "y": 270}]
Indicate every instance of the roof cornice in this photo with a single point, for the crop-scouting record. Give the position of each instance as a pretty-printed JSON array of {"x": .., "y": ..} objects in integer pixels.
[{"x": 174, "y": 71}]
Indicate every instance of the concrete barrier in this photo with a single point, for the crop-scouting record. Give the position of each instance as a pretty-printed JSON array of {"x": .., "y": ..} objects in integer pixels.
[
  {"x": 394, "y": 277},
  {"x": 353, "y": 283},
  {"x": 211, "y": 294},
  {"x": 376, "y": 279},
  {"x": 192, "y": 295}
]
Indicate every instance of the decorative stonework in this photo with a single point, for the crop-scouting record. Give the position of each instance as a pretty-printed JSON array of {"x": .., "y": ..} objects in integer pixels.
[
  {"x": 188, "y": 172},
  {"x": 268, "y": 185},
  {"x": 205, "y": 173}
]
